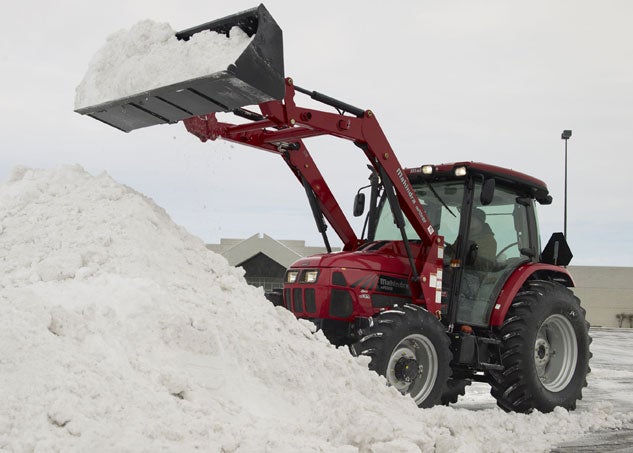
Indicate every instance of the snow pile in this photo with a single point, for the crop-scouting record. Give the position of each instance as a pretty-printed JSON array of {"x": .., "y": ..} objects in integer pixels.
[
  {"x": 149, "y": 55},
  {"x": 122, "y": 332}
]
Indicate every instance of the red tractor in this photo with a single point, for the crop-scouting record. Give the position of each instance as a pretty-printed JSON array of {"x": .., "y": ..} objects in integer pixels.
[{"x": 447, "y": 282}]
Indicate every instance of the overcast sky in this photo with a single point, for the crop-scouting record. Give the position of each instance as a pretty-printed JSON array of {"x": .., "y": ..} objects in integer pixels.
[{"x": 490, "y": 81}]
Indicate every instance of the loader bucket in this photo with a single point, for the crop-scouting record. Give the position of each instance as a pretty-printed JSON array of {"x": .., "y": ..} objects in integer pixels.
[{"x": 256, "y": 76}]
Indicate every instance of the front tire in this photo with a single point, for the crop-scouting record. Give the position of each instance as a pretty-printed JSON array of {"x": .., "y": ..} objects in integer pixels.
[
  {"x": 409, "y": 346},
  {"x": 545, "y": 350}
]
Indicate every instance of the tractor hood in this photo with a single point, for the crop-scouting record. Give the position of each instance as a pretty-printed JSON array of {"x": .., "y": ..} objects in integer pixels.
[{"x": 383, "y": 256}]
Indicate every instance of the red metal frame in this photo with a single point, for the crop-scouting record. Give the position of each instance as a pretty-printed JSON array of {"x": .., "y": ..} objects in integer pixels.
[
  {"x": 281, "y": 128},
  {"x": 285, "y": 123},
  {"x": 516, "y": 281}
]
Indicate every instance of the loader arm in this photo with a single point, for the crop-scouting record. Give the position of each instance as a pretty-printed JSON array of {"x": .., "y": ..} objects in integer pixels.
[
  {"x": 294, "y": 153},
  {"x": 281, "y": 128}
]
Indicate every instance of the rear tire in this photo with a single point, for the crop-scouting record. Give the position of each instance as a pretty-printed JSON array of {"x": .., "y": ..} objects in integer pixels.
[
  {"x": 545, "y": 350},
  {"x": 409, "y": 346}
]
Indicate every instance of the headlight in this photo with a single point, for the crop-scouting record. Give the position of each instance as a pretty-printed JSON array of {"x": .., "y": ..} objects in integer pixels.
[
  {"x": 291, "y": 276},
  {"x": 460, "y": 171},
  {"x": 310, "y": 276},
  {"x": 427, "y": 169}
]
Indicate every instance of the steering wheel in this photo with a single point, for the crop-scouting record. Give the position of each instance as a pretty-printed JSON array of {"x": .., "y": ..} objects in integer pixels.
[{"x": 505, "y": 248}]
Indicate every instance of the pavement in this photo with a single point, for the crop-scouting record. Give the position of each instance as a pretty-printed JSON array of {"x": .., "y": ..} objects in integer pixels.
[
  {"x": 611, "y": 381},
  {"x": 619, "y": 441}
]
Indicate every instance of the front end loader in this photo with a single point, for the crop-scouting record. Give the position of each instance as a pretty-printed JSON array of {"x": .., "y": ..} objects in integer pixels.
[
  {"x": 446, "y": 284},
  {"x": 256, "y": 76}
]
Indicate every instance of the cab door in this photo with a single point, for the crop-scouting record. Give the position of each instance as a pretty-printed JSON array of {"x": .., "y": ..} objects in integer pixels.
[{"x": 497, "y": 240}]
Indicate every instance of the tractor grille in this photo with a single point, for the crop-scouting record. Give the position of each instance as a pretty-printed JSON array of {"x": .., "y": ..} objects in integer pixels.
[
  {"x": 288, "y": 299},
  {"x": 299, "y": 299},
  {"x": 341, "y": 305},
  {"x": 310, "y": 300},
  {"x": 297, "y": 302}
]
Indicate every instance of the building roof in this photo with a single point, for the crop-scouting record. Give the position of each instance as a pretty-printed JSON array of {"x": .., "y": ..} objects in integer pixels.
[{"x": 284, "y": 252}]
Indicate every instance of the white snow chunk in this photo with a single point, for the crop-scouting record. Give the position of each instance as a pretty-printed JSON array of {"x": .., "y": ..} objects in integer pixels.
[{"x": 149, "y": 55}]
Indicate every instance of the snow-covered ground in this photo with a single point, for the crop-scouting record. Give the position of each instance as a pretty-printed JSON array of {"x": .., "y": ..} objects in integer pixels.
[
  {"x": 610, "y": 387},
  {"x": 120, "y": 331},
  {"x": 610, "y": 380}
]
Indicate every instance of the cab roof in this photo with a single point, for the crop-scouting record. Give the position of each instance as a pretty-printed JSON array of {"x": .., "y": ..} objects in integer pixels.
[{"x": 532, "y": 186}]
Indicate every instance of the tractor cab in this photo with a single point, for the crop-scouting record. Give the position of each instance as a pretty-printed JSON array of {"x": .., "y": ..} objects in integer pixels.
[{"x": 487, "y": 218}]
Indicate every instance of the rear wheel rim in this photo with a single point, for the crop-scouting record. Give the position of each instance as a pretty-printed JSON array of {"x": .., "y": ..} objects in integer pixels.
[
  {"x": 416, "y": 350},
  {"x": 555, "y": 353}
]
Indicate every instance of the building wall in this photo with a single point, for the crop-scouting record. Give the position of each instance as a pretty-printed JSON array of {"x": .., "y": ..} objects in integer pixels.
[
  {"x": 605, "y": 292},
  {"x": 260, "y": 270}
]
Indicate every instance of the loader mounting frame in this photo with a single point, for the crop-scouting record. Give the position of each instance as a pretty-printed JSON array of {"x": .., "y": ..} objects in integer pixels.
[{"x": 282, "y": 126}]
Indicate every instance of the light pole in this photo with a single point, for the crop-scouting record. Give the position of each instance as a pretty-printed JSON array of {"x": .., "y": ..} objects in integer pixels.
[{"x": 566, "y": 135}]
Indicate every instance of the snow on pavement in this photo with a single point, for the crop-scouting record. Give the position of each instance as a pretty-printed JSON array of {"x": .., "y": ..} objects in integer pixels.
[{"x": 120, "y": 331}]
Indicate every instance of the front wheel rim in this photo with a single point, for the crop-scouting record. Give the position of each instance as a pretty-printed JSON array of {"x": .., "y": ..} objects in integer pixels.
[
  {"x": 555, "y": 353},
  {"x": 419, "y": 349}
]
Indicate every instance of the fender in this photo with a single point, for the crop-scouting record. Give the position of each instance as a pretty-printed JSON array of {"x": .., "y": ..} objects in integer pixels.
[{"x": 518, "y": 278}]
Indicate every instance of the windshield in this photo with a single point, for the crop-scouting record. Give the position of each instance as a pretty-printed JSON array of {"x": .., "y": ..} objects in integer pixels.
[{"x": 441, "y": 200}]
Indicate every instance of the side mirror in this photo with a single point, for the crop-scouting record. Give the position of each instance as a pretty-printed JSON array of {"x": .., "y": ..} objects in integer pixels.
[
  {"x": 359, "y": 204},
  {"x": 487, "y": 192}
]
